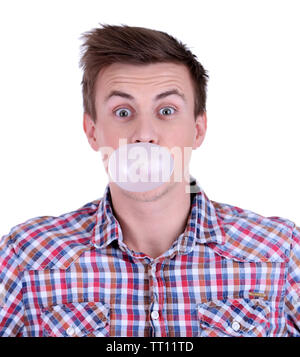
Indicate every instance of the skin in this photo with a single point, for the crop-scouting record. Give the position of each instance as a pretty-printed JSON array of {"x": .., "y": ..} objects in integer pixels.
[{"x": 150, "y": 221}]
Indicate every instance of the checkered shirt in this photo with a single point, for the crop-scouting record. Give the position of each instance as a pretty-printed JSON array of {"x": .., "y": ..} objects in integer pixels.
[{"x": 231, "y": 273}]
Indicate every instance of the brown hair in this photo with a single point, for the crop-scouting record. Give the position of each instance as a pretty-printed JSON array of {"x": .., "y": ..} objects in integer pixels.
[{"x": 135, "y": 45}]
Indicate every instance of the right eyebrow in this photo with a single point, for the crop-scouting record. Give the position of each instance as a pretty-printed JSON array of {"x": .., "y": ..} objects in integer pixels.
[{"x": 119, "y": 94}]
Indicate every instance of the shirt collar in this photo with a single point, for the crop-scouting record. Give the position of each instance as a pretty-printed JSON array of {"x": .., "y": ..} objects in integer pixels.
[
  {"x": 106, "y": 227},
  {"x": 203, "y": 225}
]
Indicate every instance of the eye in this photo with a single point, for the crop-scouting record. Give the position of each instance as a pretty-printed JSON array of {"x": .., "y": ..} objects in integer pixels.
[
  {"x": 123, "y": 112},
  {"x": 167, "y": 111}
]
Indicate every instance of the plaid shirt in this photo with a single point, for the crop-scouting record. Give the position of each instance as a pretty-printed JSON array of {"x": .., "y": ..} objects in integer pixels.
[{"x": 231, "y": 273}]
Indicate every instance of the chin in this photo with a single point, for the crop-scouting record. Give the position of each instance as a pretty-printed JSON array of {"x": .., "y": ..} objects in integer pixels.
[{"x": 148, "y": 196}]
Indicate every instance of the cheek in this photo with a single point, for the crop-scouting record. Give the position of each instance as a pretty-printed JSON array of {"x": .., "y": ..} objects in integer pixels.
[
  {"x": 181, "y": 147},
  {"x": 106, "y": 135},
  {"x": 182, "y": 137}
]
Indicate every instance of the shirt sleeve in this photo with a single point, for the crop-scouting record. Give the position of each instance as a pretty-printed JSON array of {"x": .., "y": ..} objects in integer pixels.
[
  {"x": 11, "y": 306},
  {"x": 292, "y": 299}
]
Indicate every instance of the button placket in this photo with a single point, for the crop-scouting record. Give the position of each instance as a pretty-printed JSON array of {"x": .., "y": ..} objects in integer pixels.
[
  {"x": 154, "y": 284},
  {"x": 154, "y": 308}
]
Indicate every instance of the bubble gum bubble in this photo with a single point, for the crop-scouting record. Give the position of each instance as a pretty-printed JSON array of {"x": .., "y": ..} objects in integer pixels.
[{"x": 140, "y": 167}]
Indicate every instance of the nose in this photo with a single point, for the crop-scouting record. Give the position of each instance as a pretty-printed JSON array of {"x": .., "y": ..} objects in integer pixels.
[{"x": 145, "y": 132}]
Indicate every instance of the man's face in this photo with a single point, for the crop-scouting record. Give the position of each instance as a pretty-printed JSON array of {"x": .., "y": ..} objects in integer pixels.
[{"x": 146, "y": 103}]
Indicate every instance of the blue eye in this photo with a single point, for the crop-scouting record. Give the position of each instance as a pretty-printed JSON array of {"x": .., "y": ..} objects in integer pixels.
[
  {"x": 167, "y": 111},
  {"x": 123, "y": 112}
]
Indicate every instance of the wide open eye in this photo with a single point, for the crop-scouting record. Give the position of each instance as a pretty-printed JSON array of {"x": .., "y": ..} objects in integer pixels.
[
  {"x": 166, "y": 111},
  {"x": 123, "y": 112}
]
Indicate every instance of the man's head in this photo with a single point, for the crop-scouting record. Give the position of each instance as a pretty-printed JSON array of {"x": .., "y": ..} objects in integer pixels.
[
  {"x": 138, "y": 46},
  {"x": 143, "y": 86}
]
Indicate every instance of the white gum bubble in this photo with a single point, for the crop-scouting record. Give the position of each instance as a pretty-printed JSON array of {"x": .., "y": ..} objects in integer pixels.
[{"x": 140, "y": 167}]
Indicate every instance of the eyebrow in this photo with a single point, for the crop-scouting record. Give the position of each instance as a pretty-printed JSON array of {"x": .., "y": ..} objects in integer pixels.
[{"x": 158, "y": 96}]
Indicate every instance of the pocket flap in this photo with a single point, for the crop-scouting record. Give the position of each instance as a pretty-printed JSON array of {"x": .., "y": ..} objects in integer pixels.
[
  {"x": 235, "y": 317},
  {"x": 76, "y": 320}
]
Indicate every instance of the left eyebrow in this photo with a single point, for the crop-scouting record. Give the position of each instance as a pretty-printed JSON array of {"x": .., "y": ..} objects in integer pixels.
[
  {"x": 158, "y": 96},
  {"x": 170, "y": 92}
]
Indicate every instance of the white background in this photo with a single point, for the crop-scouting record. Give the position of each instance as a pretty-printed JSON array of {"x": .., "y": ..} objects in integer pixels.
[{"x": 250, "y": 156}]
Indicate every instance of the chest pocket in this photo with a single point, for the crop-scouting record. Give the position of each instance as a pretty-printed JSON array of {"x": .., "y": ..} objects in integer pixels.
[
  {"x": 85, "y": 319},
  {"x": 234, "y": 317}
]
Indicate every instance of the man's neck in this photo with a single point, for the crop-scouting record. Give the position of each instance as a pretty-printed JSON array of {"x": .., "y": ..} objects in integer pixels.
[{"x": 151, "y": 222}]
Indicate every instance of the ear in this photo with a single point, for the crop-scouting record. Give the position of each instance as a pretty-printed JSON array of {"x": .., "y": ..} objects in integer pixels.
[
  {"x": 90, "y": 131},
  {"x": 200, "y": 130}
]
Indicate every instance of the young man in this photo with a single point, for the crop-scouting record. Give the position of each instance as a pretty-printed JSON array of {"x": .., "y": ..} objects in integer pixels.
[{"x": 160, "y": 262}]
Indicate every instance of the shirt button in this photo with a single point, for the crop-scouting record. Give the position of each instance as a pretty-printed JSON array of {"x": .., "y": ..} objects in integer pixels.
[
  {"x": 154, "y": 315},
  {"x": 70, "y": 331},
  {"x": 235, "y": 326},
  {"x": 1, "y": 292}
]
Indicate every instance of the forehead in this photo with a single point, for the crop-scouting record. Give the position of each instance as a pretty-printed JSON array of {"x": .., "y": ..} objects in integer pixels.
[{"x": 146, "y": 77}]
